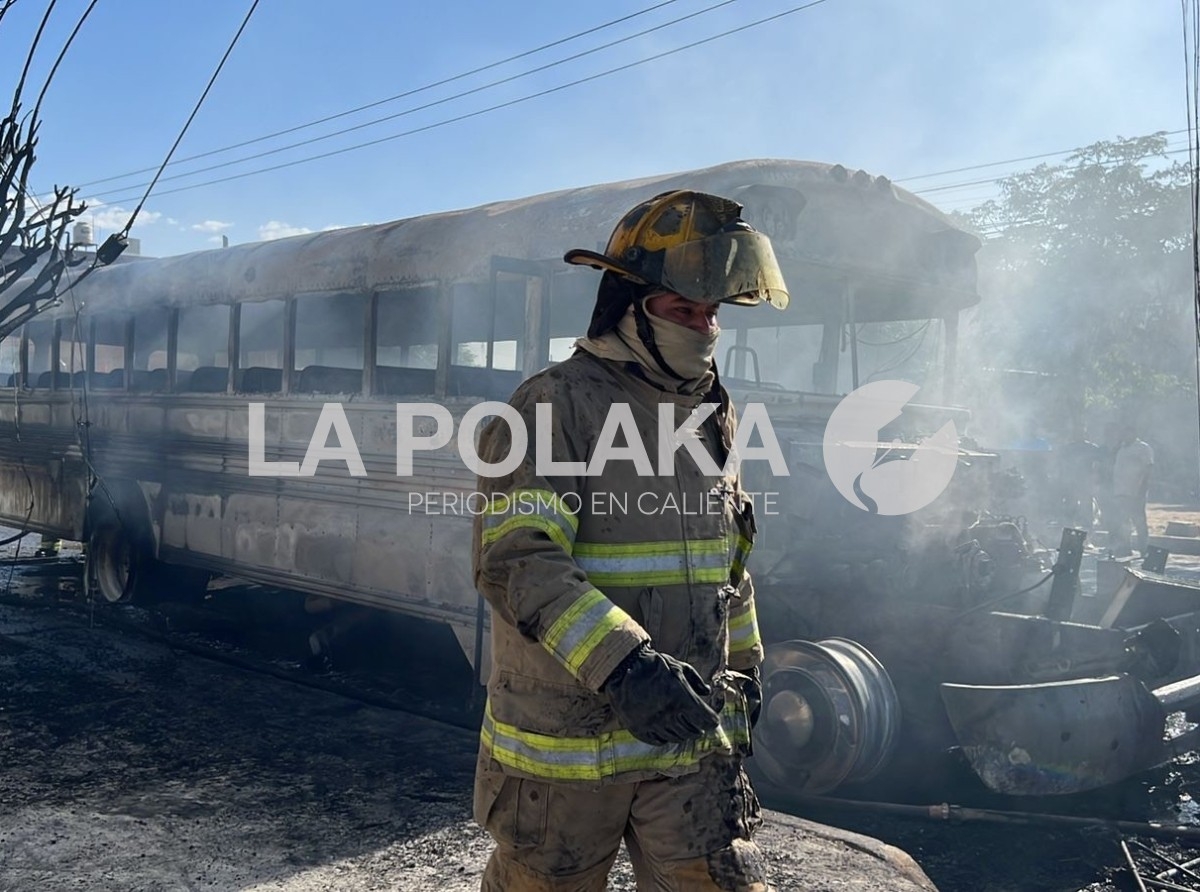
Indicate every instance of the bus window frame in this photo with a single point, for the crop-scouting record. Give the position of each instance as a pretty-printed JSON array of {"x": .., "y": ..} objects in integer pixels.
[
  {"x": 173, "y": 321},
  {"x": 235, "y": 345},
  {"x": 289, "y": 346},
  {"x": 287, "y": 352},
  {"x": 23, "y": 359},
  {"x": 368, "y": 298},
  {"x": 172, "y": 347}
]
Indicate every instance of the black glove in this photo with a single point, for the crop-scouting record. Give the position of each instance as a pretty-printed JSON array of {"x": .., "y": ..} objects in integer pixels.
[
  {"x": 752, "y": 690},
  {"x": 658, "y": 698}
]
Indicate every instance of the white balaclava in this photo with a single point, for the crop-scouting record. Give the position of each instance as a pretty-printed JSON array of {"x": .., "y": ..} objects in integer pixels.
[{"x": 688, "y": 353}]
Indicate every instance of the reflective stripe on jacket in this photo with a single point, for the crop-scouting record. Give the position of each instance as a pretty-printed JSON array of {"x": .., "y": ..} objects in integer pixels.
[{"x": 580, "y": 570}]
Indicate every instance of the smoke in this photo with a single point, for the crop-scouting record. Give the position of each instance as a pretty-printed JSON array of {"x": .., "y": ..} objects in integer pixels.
[{"x": 1086, "y": 316}]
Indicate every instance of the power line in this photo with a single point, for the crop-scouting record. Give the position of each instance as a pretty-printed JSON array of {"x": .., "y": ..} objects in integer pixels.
[
  {"x": 497, "y": 107},
  {"x": 967, "y": 183},
  {"x": 925, "y": 176},
  {"x": 404, "y": 95},
  {"x": 1000, "y": 227},
  {"x": 62, "y": 53},
  {"x": 188, "y": 123},
  {"x": 116, "y": 243},
  {"x": 434, "y": 103}
]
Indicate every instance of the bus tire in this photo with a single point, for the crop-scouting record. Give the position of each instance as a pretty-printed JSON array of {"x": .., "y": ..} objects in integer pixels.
[{"x": 117, "y": 564}]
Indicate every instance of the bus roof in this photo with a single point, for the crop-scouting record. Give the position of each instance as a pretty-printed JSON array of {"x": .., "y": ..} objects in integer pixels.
[{"x": 832, "y": 229}]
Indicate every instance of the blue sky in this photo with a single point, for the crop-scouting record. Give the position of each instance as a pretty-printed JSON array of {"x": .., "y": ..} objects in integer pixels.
[{"x": 896, "y": 88}]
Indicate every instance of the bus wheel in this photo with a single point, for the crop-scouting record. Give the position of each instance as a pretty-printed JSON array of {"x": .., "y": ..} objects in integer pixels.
[{"x": 115, "y": 563}]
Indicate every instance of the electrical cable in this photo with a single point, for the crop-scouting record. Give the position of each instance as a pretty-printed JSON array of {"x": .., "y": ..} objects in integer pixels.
[
  {"x": 404, "y": 95},
  {"x": 191, "y": 117},
  {"x": 83, "y": 437},
  {"x": 940, "y": 173},
  {"x": 1117, "y": 162},
  {"x": 988, "y": 605},
  {"x": 985, "y": 231},
  {"x": 13, "y": 564},
  {"x": 427, "y": 105},
  {"x": 37, "y": 38},
  {"x": 512, "y": 102},
  {"x": 901, "y": 339},
  {"x": 116, "y": 243},
  {"x": 903, "y": 360},
  {"x": 61, "y": 55}
]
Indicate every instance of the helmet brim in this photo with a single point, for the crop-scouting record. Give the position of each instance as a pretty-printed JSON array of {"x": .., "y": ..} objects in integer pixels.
[{"x": 582, "y": 257}]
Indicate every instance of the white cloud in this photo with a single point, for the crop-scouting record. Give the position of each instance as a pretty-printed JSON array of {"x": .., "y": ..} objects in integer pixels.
[
  {"x": 113, "y": 217},
  {"x": 276, "y": 229},
  {"x": 211, "y": 226}
]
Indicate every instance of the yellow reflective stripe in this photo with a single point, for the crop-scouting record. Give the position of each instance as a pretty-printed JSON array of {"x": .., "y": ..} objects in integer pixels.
[
  {"x": 606, "y": 755},
  {"x": 633, "y": 564},
  {"x": 741, "y": 551},
  {"x": 538, "y": 509},
  {"x": 579, "y": 630},
  {"x": 743, "y": 631},
  {"x": 532, "y": 522},
  {"x": 669, "y": 546}
]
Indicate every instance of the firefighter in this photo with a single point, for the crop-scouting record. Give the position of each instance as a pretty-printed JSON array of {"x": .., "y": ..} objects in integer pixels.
[{"x": 625, "y": 646}]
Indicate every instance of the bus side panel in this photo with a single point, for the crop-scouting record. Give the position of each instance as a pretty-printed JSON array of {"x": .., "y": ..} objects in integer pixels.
[
  {"x": 56, "y": 486},
  {"x": 44, "y": 466}
]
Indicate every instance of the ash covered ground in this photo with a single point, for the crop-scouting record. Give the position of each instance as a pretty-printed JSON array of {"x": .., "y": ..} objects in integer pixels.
[{"x": 131, "y": 764}]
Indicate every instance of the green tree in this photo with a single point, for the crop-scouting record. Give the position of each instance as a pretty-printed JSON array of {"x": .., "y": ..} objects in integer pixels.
[
  {"x": 1086, "y": 279},
  {"x": 1086, "y": 273}
]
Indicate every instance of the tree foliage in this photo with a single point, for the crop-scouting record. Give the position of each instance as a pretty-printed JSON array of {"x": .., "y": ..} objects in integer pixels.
[{"x": 1086, "y": 274}]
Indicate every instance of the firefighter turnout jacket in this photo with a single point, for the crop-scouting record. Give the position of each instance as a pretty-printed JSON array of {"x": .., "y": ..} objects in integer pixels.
[{"x": 582, "y": 568}]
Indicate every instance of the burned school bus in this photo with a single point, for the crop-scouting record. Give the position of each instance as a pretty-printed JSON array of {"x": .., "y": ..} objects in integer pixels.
[{"x": 167, "y": 413}]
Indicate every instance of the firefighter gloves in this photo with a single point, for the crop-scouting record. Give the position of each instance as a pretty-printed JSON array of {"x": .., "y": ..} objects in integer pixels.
[{"x": 659, "y": 699}]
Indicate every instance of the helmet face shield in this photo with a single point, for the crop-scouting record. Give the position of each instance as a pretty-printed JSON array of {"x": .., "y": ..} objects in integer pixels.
[{"x": 736, "y": 266}]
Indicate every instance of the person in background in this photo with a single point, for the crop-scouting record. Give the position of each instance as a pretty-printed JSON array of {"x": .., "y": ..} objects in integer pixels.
[{"x": 1133, "y": 462}]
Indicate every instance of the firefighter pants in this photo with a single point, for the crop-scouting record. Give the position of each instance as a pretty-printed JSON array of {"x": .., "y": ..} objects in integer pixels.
[{"x": 684, "y": 834}]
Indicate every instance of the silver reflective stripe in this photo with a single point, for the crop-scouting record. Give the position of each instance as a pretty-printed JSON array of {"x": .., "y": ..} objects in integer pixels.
[
  {"x": 743, "y": 631},
  {"x": 581, "y": 627}
]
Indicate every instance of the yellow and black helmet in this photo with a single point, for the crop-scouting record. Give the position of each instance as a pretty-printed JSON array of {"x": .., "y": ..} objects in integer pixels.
[{"x": 691, "y": 243}]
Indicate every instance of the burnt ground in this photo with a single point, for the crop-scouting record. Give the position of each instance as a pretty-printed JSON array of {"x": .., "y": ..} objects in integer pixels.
[
  {"x": 192, "y": 749},
  {"x": 140, "y": 755}
]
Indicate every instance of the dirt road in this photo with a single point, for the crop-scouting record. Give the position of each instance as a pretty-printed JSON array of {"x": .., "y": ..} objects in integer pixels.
[{"x": 129, "y": 766}]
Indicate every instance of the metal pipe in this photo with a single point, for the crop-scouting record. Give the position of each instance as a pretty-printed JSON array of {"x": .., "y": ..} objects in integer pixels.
[
  {"x": 1137, "y": 877},
  {"x": 1180, "y": 694},
  {"x": 1163, "y": 858},
  {"x": 1167, "y": 874},
  {"x": 1163, "y": 884},
  {"x": 944, "y": 811}
]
